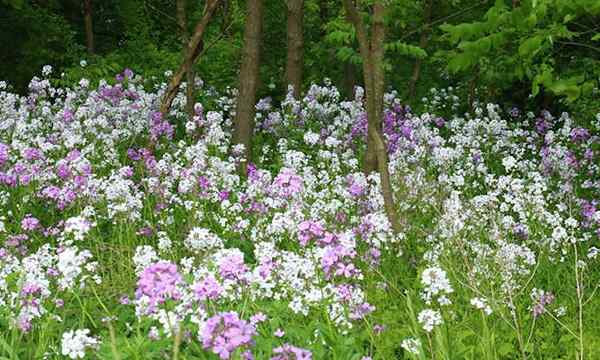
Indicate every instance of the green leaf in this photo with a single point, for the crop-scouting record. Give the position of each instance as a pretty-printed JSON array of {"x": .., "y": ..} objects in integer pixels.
[
  {"x": 531, "y": 46},
  {"x": 16, "y": 4},
  {"x": 567, "y": 87},
  {"x": 406, "y": 49},
  {"x": 460, "y": 62},
  {"x": 505, "y": 349}
]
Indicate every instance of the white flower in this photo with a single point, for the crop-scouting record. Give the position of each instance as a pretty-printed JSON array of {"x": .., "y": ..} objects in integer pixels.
[
  {"x": 78, "y": 226},
  {"x": 311, "y": 138},
  {"x": 429, "y": 318},
  {"x": 411, "y": 345},
  {"x": 509, "y": 162},
  {"x": 201, "y": 239},
  {"x": 481, "y": 304},
  {"x": 436, "y": 283},
  {"x": 164, "y": 242},
  {"x": 143, "y": 257},
  {"x": 75, "y": 343},
  {"x": 47, "y": 70},
  {"x": 70, "y": 264}
]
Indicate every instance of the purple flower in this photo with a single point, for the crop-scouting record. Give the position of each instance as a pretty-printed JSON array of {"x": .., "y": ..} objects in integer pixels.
[
  {"x": 288, "y": 182},
  {"x": 63, "y": 171},
  {"x": 133, "y": 155},
  {"x": 207, "y": 288},
  {"x": 542, "y": 126},
  {"x": 257, "y": 318},
  {"x": 4, "y": 153},
  {"x": 232, "y": 266},
  {"x": 128, "y": 73},
  {"x": 31, "y": 154},
  {"x": 439, "y": 122},
  {"x": 252, "y": 172},
  {"x": 224, "y": 333},
  {"x": 160, "y": 127},
  {"x": 362, "y": 310},
  {"x": 544, "y": 299},
  {"x": 354, "y": 188},
  {"x": 308, "y": 230},
  {"x": 579, "y": 135},
  {"x": 159, "y": 283},
  {"x": 203, "y": 182},
  {"x": 521, "y": 231},
  {"x": 378, "y": 328},
  {"x": 588, "y": 209},
  {"x": 406, "y": 131},
  {"x": 223, "y": 195},
  {"x": 289, "y": 352},
  {"x": 29, "y": 223},
  {"x": 67, "y": 116},
  {"x": 145, "y": 231}
]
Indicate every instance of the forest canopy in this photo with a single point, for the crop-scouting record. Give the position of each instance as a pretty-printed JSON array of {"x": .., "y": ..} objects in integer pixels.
[{"x": 521, "y": 53}]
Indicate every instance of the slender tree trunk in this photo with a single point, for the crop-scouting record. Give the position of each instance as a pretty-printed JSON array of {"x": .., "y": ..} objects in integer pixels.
[
  {"x": 323, "y": 15},
  {"x": 189, "y": 71},
  {"x": 372, "y": 53},
  {"x": 295, "y": 45},
  {"x": 193, "y": 51},
  {"x": 89, "y": 29},
  {"x": 349, "y": 81},
  {"x": 226, "y": 16},
  {"x": 249, "y": 78},
  {"x": 423, "y": 40},
  {"x": 364, "y": 44}
]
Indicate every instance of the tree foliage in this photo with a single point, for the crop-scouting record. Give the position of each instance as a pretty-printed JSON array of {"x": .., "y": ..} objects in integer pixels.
[
  {"x": 505, "y": 49},
  {"x": 548, "y": 44}
]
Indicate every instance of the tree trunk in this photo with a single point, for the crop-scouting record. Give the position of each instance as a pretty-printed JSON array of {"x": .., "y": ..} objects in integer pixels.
[
  {"x": 349, "y": 81},
  {"x": 423, "y": 40},
  {"x": 189, "y": 71},
  {"x": 249, "y": 78},
  {"x": 323, "y": 16},
  {"x": 372, "y": 53},
  {"x": 193, "y": 50},
  {"x": 226, "y": 19},
  {"x": 370, "y": 160},
  {"x": 295, "y": 45},
  {"x": 89, "y": 29}
]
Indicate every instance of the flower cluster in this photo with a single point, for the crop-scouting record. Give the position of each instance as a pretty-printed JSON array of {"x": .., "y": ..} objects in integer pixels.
[{"x": 225, "y": 333}]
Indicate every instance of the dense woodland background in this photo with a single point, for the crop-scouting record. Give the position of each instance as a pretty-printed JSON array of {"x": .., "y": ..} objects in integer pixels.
[{"x": 502, "y": 50}]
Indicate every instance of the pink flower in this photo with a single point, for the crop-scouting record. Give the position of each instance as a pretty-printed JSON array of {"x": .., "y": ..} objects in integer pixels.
[
  {"x": 288, "y": 183},
  {"x": 159, "y": 283},
  {"x": 289, "y": 352},
  {"x": 224, "y": 333}
]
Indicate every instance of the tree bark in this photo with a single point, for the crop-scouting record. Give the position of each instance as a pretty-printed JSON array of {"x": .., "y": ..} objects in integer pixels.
[
  {"x": 249, "y": 78},
  {"x": 364, "y": 44},
  {"x": 372, "y": 53},
  {"x": 295, "y": 45},
  {"x": 193, "y": 51},
  {"x": 423, "y": 40},
  {"x": 89, "y": 29},
  {"x": 349, "y": 81},
  {"x": 189, "y": 71}
]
